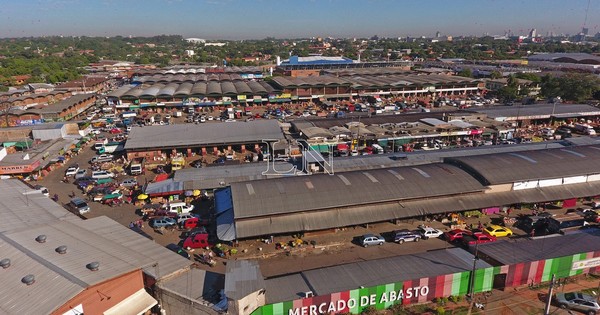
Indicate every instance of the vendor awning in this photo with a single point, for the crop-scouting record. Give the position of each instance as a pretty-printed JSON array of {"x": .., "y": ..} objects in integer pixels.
[
  {"x": 342, "y": 147},
  {"x": 164, "y": 188},
  {"x": 280, "y": 100},
  {"x": 137, "y": 303}
]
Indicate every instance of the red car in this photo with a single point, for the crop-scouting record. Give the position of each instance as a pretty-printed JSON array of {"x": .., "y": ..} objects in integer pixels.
[
  {"x": 477, "y": 238},
  {"x": 456, "y": 235},
  {"x": 197, "y": 240}
]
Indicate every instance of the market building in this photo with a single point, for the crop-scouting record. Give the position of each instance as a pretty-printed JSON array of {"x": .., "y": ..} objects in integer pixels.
[
  {"x": 492, "y": 181},
  {"x": 95, "y": 266},
  {"x": 213, "y": 88},
  {"x": 159, "y": 143},
  {"x": 418, "y": 278}
]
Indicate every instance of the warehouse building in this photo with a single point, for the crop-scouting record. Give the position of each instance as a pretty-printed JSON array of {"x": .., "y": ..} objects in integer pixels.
[
  {"x": 320, "y": 202},
  {"x": 95, "y": 266},
  {"x": 161, "y": 142},
  {"x": 417, "y": 278}
]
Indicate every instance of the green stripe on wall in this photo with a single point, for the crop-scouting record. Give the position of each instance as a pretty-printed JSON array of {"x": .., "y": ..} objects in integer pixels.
[
  {"x": 546, "y": 275},
  {"x": 456, "y": 283},
  {"x": 278, "y": 308},
  {"x": 355, "y": 294}
]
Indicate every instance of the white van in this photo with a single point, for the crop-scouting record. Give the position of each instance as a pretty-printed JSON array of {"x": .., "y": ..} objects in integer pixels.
[
  {"x": 378, "y": 148},
  {"x": 102, "y": 175},
  {"x": 179, "y": 207}
]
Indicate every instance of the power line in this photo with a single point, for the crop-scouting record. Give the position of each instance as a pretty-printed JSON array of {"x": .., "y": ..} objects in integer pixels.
[{"x": 586, "y": 14}]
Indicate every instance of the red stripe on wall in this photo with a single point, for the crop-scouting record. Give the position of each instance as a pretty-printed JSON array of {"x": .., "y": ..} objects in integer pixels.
[
  {"x": 438, "y": 291},
  {"x": 510, "y": 276},
  {"x": 424, "y": 282},
  {"x": 405, "y": 286},
  {"x": 345, "y": 296},
  {"x": 540, "y": 271},
  {"x": 518, "y": 275}
]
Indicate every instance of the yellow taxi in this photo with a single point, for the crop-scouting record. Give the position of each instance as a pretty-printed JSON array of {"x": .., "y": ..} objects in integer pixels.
[{"x": 497, "y": 230}]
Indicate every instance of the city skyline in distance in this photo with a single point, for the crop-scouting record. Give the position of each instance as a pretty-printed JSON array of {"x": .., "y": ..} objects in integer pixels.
[{"x": 257, "y": 19}]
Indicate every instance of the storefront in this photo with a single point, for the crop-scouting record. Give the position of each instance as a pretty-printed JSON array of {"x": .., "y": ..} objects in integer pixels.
[
  {"x": 433, "y": 283},
  {"x": 500, "y": 265}
]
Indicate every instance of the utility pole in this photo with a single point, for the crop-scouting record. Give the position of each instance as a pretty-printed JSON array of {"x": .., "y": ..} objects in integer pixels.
[
  {"x": 472, "y": 280},
  {"x": 549, "y": 299}
]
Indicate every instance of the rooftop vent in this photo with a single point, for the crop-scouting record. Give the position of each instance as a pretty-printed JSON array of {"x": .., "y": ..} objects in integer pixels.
[
  {"x": 61, "y": 249},
  {"x": 28, "y": 279},
  {"x": 41, "y": 238},
  {"x": 93, "y": 266},
  {"x": 5, "y": 263}
]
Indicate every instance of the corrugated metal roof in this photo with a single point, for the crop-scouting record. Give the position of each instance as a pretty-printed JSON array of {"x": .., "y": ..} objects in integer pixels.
[
  {"x": 286, "y": 288},
  {"x": 536, "y": 111},
  {"x": 532, "y": 165},
  {"x": 324, "y": 191},
  {"x": 156, "y": 261},
  {"x": 243, "y": 278},
  {"x": 21, "y": 208},
  {"x": 348, "y": 216},
  {"x": 389, "y": 270},
  {"x": 189, "y": 135},
  {"x": 64, "y": 104},
  {"x": 221, "y": 176},
  {"x": 50, "y": 290},
  {"x": 195, "y": 284},
  {"x": 523, "y": 250},
  {"x": 83, "y": 247}
]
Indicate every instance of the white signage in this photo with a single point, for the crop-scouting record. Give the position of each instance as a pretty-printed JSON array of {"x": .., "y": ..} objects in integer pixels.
[{"x": 585, "y": 264}]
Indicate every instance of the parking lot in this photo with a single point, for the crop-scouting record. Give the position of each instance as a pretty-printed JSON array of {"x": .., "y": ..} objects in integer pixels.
[
  {"x": 281, "y": 254},
  {"x": 277, "y": 257}
]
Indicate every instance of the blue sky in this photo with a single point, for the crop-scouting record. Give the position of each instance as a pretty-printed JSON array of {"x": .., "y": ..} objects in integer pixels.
[{"x": 244, "y": 19}]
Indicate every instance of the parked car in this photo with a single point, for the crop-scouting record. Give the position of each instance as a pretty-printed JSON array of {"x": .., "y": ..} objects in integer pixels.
[
  {"x": 429, "y": 232},
  {"x": 402, "y": 236},
  {"x": 72, "y": 170},
  {"x": 181, "y": 217},
  {"x": 162, "y": 222},
  {"x": 102, "y": 158},
  {"x": 193, "y": 223},
  {"x": 130, "y": 182},
  {"x": 578, "y": 301},
  {"x": 197, "y": 164},
  {"x": 371, "y": 239},
  {"x": 497, "y": 230},
  {"x": 43, "y": 190},
  {"x": 197, "y": 240},
  {"x": 455, "y": 235},
  {"x": 79, "y": 205},
  {"x": 81, "y": 173},
  {"x": 477, "y": 238},
  {"x": 102, "y": 175},
  {"x": 179, "y": 250}
]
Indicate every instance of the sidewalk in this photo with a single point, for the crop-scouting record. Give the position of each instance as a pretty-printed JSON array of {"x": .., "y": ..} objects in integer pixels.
[{"x": 525, "y": 300}]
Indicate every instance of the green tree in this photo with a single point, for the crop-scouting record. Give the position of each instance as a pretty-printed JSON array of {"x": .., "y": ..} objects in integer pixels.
[{"x": 466, "y": 72}]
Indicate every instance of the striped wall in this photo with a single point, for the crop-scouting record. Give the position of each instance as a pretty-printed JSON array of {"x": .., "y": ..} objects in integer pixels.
[
  {"x": 542, "y": 270},
  {"x": 383, "y": 296},
  {"x": 426, "y": 289}
]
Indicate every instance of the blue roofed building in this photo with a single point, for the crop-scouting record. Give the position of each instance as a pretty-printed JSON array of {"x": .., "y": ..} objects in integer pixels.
[{"x": 316, "y": 60}]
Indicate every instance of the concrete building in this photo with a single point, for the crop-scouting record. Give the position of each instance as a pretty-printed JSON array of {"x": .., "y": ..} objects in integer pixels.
[
  {"x": 162, "y": 142},
  {"x": 94, "y": 266},
  {"x": 282, "y": 206}
]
